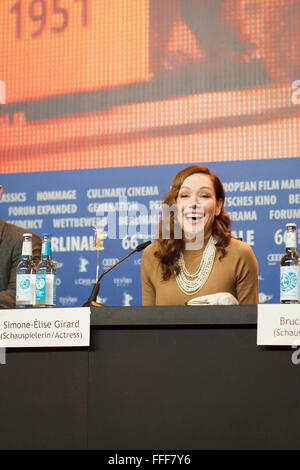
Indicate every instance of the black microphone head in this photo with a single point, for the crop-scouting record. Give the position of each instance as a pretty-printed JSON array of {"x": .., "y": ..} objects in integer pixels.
[{"x": 142, "y": 246}]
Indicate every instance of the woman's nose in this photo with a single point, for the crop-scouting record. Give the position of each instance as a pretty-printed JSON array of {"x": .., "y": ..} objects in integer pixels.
[{"x": 194, "y": 201}]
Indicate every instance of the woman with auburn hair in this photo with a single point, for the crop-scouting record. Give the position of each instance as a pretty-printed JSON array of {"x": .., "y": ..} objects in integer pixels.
[{"x": 195, "y": 254}]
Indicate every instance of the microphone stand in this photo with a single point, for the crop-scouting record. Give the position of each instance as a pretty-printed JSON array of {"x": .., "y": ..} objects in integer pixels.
[{"x": 92, "y": 298}]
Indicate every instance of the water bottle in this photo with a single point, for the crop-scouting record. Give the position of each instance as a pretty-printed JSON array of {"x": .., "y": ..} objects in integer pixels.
[
  {"x": 46, "y": 276},
  {"x": 26, "y": 275},
  {"x": 290, "y": 268}
]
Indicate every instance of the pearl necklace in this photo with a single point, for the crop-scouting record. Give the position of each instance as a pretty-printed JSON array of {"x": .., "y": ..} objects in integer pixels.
[{"x": 198, "y": 279}]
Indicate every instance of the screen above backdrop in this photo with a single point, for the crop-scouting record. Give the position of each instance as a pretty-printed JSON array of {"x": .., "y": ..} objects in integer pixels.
[
  {"x": 115, "y": 83},
  {"x": 65, "y": 46}
]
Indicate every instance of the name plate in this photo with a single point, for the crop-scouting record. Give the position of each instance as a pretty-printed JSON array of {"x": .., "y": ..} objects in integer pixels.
[
  {"x": 278, "y": 325},
  {"x": 45, "y": 327}
]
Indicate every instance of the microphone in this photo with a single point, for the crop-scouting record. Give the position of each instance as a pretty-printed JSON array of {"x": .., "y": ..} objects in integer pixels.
[{"x": 94, "y": 293}]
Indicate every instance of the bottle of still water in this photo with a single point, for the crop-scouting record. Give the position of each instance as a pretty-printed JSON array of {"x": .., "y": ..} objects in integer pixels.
[
  {"x": 290, "y": 268},
  {"x": 26, "y": 276},
  {"x": 46, "y": 276}
]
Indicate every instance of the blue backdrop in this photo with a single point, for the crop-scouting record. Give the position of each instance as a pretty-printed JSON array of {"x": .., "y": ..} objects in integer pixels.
[{"x": 261, "y": 197}]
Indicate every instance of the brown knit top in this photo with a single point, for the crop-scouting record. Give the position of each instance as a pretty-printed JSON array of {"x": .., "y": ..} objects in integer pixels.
[{"x": 236, "y": 273}]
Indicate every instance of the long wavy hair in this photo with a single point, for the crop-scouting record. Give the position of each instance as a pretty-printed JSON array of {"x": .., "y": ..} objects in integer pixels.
[{"x": 169, "y": 248}]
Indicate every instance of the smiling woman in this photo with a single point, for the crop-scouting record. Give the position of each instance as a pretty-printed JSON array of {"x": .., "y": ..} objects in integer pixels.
[
  {"x": 197, "y": 207},
  {"x": 195, "y": 254}
]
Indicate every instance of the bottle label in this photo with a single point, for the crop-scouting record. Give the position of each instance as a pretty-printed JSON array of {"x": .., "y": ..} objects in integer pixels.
[
  {"x": 289, "y": 283},
  {"x": 46, "y": 289},
  {"x": 25, "y": 291},
  {"x": 40, "y": 287},
  {"x": 50, "y": 289},
  {"x": 46, "y": 248},
  {"x": 27, "y": 248},
  {"x": 291, "y": 240}
]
